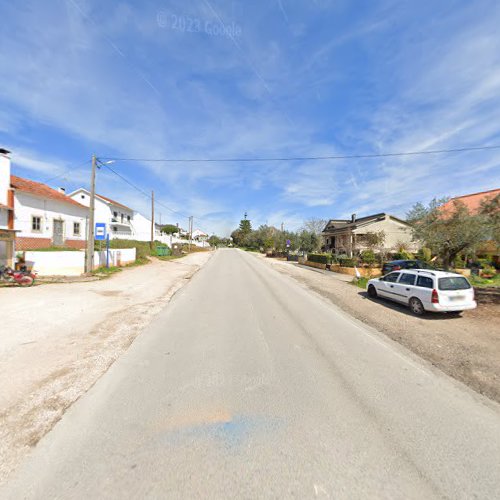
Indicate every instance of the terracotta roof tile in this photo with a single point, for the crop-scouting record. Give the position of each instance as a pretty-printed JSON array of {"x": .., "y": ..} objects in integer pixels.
[
  {"x": 41, "y": 190},
  {"x": 471, "y": 201},
  {"x": 113, "y": 201}
]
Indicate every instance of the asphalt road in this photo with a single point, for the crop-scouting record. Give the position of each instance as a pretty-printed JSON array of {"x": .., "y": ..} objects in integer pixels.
[{"x": 249, "y": 386}]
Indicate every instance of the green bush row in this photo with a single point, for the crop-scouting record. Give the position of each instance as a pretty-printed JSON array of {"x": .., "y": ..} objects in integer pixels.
[{"x": 320, "y": 258}]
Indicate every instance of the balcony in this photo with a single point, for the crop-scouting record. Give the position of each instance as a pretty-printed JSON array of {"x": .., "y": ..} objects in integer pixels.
[{"x": 117, "y": 221}]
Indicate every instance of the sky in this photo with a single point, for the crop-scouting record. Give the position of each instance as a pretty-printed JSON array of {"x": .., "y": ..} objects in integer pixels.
[{"x": 177, "y": 79}]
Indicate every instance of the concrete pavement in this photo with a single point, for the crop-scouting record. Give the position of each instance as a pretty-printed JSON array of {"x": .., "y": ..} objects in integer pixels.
[{"x": 249, "y": 386}]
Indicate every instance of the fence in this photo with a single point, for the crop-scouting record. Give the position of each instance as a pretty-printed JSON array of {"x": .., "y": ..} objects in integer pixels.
[{"x": 64, "y": 263}]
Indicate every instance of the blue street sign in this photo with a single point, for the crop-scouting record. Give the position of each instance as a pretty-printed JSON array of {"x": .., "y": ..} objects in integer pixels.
[
  {"x": 100, "y": 231},
  {"x": 288, "y": 243}
]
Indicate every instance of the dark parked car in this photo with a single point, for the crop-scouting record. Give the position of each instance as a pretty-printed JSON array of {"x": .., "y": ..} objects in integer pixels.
[{"x": 396, "y": 265}]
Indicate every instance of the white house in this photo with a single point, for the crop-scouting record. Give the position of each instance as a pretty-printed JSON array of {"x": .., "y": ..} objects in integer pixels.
[
  {"x": 34, "y": 216},
  {"x": 199, "y": 235},
  {"x": 7, "y": 233},
  {"x": 348, "y": 236},
  {"x": 117, "y": 217}
]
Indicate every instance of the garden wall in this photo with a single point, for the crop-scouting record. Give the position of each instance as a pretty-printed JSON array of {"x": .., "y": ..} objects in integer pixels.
[{"x": 67, "y": 263}]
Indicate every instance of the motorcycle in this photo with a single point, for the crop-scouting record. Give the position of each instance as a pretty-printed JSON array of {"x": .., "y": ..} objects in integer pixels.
[{"x": 22, "y": 278}]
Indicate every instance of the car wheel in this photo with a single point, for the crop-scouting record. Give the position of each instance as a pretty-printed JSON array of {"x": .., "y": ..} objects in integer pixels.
[
  {"x": 416, "y": 306},
  {"x": 372, "y": 292}
]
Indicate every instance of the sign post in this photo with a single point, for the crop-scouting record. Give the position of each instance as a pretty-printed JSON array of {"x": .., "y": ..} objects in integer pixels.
[
  {"x": 107, "y": 251},
  {"x": 100, "y": 234}
]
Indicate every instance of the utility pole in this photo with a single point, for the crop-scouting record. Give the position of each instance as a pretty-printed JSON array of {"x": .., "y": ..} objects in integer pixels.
[
  {"x": 190, "y": 231},
  {"x": 89, "y": 262},
  {"x": 152, "y": 219}
]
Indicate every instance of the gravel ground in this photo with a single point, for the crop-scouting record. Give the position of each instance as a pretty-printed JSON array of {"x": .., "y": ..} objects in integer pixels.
[
  {"x": 466, "y": 348},
  {"x": 57, "y": 340}
]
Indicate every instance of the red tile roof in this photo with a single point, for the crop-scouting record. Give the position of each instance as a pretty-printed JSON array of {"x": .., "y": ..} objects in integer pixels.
[
  {"x": 41, "y": 190},
  {"x": 471, "y": 201},
  {"x": 113, "y": 202}
]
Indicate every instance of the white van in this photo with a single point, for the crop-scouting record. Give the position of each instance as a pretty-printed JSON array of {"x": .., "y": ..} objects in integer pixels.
[{"x": 425, "y": 290}]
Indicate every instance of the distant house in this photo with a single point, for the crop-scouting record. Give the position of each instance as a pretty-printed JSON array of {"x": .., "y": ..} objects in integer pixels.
[
  {"x": 34, "y": 216},
  {"x": 471, "y": 201},
  {"x": 474, "y": 202},
  {"x": 348, "y": 236},
  {"x": 199, "y": 235},
  {"x": 117, "y": 217}
]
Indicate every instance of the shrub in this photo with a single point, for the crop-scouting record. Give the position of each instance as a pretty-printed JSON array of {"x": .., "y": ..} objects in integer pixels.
[
  {"x": 424, "y": 254},
  {"x": 368, "y": 257},
  {"x": 403, "y": 255},
  {"x": 348, "y": 262},
  {"x": 459, "y": 263},
  {"x": 488, "y": 271},
  {"x": 320, "y": 258}
]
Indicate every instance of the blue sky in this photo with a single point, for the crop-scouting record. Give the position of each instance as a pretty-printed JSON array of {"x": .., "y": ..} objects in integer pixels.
[{"x": 158, "y": 79}]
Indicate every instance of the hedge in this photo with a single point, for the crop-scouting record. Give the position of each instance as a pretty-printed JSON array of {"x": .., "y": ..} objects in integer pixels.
[
  {"x": 348, "y": 262},
  {"x": 320, "y": 258}
]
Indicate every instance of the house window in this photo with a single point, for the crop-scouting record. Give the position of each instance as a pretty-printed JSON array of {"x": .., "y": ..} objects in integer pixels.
[
  {"x": 115, "y": 229},
  {"x": 115, "y": 214},
  {"x": 76, "y": 229},
  {"x": 36, "y": 224},
  {"x": 122, "y": 216},
  {"x": 128, "y": 218},
  {"x": 83, "y": 196}
]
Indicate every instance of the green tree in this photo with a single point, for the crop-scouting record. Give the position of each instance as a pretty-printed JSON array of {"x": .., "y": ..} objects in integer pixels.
[
  {"x": 169, "y": 229},
  {"x": 245, "y": 225},
  {"x": 451, "y": 232},
  {"x": 214, "y": 241},
  {"x": 491, "y": 209},
  {"x": 308, "y": 241}
]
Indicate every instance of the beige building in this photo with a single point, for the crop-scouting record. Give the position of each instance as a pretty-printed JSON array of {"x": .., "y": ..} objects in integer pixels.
[{"x": 349, "y": 236}]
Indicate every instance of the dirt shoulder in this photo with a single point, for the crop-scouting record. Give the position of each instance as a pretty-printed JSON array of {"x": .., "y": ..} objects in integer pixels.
[
  {"x": 466, "y": 348},
  {"x": 57, "y": 340}
]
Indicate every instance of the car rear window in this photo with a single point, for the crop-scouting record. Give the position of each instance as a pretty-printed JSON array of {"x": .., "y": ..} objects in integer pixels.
[{"x": 453, "y": 283}]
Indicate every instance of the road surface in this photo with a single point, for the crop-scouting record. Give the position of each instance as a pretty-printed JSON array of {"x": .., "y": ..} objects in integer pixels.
[{"x": 249, "y": 386}]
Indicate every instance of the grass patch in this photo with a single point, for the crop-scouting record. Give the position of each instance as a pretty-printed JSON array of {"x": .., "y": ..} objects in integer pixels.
[
  {"x": 479, "y": 282},
  {"x": 107, "y": 271},
  {"x": 360, "y": 282},
  {"x": 170, "y": 257}
]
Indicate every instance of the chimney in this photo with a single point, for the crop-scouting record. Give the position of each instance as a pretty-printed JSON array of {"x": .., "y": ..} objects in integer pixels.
[
  {"x": 353, "y": 218},
  {"x": 62, "y": 190},
  {"x": 4, "y": 176}
]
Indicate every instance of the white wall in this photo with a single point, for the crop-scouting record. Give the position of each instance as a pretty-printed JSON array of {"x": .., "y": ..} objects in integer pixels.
[
  {"x": 395, "y": 232},
  {"x": 67, "y": 263},
  {"x": 57, "y": 263},
  {"x": 4, "y": 218},
  {"x": 141, "y": 227},
  {"x": 4, "y": 178},
  {"x": 26, "y": 206}
]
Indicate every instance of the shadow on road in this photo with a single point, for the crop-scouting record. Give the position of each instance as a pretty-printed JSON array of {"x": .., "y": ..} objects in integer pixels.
[{"x": 401, "y": 308}]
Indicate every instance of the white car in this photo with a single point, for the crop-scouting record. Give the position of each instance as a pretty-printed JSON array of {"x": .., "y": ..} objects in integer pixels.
[{"x": 425, "y": 290}]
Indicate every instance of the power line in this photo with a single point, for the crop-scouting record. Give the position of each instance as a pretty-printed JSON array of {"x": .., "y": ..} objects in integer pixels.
[
  {"x": 137, "y": 188},
  {"x": 304, "y": 158},
  {"x": 66, "y": 169}
]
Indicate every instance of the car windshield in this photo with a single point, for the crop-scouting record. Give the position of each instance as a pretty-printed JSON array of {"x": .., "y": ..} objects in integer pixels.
[{"x": 454, "y": 283}]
